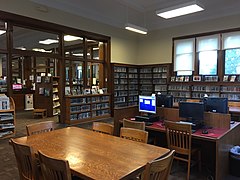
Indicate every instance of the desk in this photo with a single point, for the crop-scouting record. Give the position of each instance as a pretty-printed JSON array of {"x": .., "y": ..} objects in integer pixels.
[
  {"x": 215, "y": 150},
  {"x": 215, "y": 146},
  {"x": 93, "y": 155}
]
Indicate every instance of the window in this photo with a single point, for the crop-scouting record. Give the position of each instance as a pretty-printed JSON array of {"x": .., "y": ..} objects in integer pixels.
[
  {"x": 232, "y": 61},
  {"x": 231, "y": 45},
  {"x": 207, "y": 47},
  {"x": 184, "y": 56}
]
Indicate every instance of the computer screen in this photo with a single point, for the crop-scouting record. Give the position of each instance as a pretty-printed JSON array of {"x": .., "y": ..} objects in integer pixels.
[
  {"x": 192, "y": 111},
  {"x": 216, "y": 104},
  {"x": 164, "y": 100},
  {"x": 147, "y": 104}
]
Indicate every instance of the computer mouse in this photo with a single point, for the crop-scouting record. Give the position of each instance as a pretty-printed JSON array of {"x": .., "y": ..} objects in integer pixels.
[{"x": 204, "y": 131}]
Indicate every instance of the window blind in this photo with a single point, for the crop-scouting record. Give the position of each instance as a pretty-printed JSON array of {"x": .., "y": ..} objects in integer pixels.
[{"x": 184, "y": 55}]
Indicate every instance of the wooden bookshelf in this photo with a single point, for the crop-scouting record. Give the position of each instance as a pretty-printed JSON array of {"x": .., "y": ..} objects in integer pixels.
[
  {"x": 7, "y": 121},
  {"x": 87, "y": 108},
  {"x": 47, "y": 95}
]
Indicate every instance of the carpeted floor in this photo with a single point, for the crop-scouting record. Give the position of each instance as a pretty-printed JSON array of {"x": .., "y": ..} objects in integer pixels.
[{"x": 8, "y": 167}]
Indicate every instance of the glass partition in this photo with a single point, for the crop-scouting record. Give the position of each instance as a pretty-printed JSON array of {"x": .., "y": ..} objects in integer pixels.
[
  {"x": 73, "y": 46},
  {"x": 40, "y": 41},
  {"x": 3, "y": 73},
  {"x": 95, "y": 50},
  {"x": 3, "y": 35},
  {"x": 94, "y": 77}
]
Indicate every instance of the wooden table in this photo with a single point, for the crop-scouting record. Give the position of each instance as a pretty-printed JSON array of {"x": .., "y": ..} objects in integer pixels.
[{"x": 93, "y": 155}]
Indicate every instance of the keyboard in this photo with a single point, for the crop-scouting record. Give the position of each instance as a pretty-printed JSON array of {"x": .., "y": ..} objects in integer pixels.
[
  {"x": 148, "y": 123},
  {"x": 185, "y": 122}
]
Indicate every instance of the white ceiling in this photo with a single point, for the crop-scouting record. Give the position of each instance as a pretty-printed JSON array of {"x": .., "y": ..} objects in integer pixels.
[{"x": 140, "y": 12}]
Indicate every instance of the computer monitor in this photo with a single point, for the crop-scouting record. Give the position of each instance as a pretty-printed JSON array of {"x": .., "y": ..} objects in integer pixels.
[
  {"x": 216, "y": 104},
  {"x": 191, "y": 111},
  {"x": 164, "y": 100},
  {"x": 147, "y": 104}
]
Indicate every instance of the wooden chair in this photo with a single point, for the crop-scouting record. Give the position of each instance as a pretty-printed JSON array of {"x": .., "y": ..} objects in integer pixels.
[
  {"x": 159, "y": 168},
  {"x": 40, "y": 127},
  {"x": 101, "y": 127},
  {"x": 26, "y": 161},
  {"x": 193, "y": 100},
  {"x": 133, "y": 124},
  {"x": 54, "y": 169},
  {"x": 134, "y": 134},
  {"x": 179, "y": 138}
]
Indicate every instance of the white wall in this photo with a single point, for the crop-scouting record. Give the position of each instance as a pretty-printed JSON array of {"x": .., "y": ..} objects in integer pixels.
[
  {"x": 126, "y": 47},
  {"x": 157, "y": 46}
]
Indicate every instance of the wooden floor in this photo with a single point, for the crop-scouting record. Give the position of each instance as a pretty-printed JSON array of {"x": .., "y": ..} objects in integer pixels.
[{"x": 8, "y": 168}]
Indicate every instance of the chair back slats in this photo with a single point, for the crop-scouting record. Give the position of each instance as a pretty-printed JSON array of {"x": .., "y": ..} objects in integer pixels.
[
  {"x": 179, "y": 137},
  {"x": 26, "y": 161},
  {"x": 102, "y": 127},
  {"x": 159, "y": 168},
  {"x": 40, "y": 127},
  {"x": 54, "y": 169},
  {"x": 134, "y": 134},
  {"x": 133, "y": 124}
]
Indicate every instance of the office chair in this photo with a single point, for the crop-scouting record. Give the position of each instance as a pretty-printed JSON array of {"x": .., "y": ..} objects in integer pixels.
[
  {"x": 158, "y": 168},
  {"x": 101, "y": 127},
  {"x": 40, "y": 127},
  {"x": 179, "y": 138},
  {"x": 26, "y": 161},
  {"x": 54, "y": 169},
  {"x": 134, "y": 134},
  {"x": 133, "y": 124}
]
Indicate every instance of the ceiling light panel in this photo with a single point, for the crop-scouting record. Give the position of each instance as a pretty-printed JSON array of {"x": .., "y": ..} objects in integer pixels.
[
  {"x": 48, "y": 41},
  {"x": 134, "y": 28},
  {"x": 72, "y": 38},
  {"x": 180, "y": 10}
]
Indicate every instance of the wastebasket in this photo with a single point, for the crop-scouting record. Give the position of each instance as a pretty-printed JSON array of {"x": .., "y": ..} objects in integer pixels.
[{"x": 234, "y": 161}]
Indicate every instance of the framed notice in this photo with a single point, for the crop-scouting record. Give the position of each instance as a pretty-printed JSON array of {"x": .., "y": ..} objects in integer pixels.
[
  {"x": 225, "y": 78},
  {"x": 196, "y": 78},
  {"x": 232, "y": 79},
  {"x": 186, "y": 79},
  {"x": 39, "y": 79}
]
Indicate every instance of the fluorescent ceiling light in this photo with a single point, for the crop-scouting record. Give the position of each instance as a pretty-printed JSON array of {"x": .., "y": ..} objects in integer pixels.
[
  {"x": 2, "y": 32},
  {"x": 41, "y": 50},
  {"x": 21, "y": 48},
  {"x": 134, "y": 28},
  {"x": 179, "y": 10},
  {"x": 78, "y": 54},
  {"x": 71, "y": 38},
  {"x": 48, "y": 41}
]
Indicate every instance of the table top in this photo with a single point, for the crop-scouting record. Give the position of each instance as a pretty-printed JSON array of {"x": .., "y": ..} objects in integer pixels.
[
  {"x": 213, "y": 133},
  {"x": 94, "y": 155}
]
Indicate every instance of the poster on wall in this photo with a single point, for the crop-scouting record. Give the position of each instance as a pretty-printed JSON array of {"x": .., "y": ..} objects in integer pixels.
[{"x": 28, "y": 101}]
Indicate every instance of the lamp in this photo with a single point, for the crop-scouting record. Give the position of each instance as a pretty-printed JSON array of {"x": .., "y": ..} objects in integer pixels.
[
  {"x": 134, "y": 28},
  {"x": 179, "y": 10}
]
